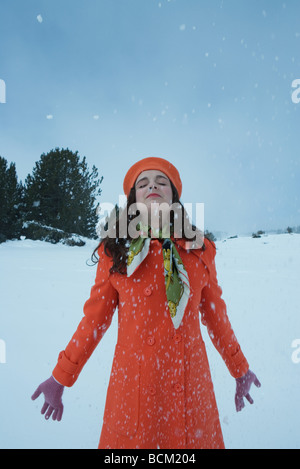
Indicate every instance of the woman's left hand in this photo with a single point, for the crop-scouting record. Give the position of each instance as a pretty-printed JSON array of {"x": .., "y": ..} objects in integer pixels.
[{"x": 243, "y": 386}]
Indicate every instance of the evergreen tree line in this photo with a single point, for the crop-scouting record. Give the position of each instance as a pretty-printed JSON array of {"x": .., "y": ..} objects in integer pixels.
[{"x": 56, "y": 203}]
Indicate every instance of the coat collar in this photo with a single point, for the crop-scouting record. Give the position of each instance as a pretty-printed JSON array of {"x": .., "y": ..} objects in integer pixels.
[
  {"x": 190, "y": 246},
  {"x": 205, "y": 255}
]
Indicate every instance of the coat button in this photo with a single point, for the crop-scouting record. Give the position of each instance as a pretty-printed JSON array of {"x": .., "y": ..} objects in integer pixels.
[
  {"x": 150, "y": 340},
  {"x": 177, "y": 338},
  {"x": 148, "y": 291},
  {"x": 178, "y": 388}
]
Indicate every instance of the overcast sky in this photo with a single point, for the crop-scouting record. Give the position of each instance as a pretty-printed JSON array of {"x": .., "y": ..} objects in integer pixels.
[{"x": 206, "y": 84}]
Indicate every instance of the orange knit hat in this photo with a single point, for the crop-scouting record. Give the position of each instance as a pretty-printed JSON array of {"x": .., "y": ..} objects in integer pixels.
[{"x": 152, "y": 163}]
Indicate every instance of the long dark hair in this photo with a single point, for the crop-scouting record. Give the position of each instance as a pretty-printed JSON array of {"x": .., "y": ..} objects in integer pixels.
[{"x": 117, "y": 247}]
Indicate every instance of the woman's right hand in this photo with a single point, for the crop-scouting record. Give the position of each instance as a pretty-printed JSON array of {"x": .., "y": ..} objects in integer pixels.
[{"x": 53, "y": 392}]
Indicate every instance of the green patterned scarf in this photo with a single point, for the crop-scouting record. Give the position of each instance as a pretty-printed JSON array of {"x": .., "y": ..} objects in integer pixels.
[{"x": 176, "y": 278}]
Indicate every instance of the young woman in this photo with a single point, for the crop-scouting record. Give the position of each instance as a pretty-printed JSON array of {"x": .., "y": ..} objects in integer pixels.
[{"x": 160, "y": 393}]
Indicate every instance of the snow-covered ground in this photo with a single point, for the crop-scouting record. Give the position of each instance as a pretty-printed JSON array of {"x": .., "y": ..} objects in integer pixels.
[{"x": 42, "y": 291}]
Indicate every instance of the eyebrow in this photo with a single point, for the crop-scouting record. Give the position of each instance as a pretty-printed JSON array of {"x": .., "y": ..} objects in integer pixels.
[{"x": 158, "y": 176}]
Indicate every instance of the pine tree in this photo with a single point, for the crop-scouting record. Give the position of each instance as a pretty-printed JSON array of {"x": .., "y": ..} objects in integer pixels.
[
  {"x": 61, "y": 193},
  {"x": 10, "y": 201}
]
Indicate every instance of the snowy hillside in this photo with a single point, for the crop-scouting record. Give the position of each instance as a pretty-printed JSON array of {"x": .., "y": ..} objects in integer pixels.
[{"x": 42, "y": 291}]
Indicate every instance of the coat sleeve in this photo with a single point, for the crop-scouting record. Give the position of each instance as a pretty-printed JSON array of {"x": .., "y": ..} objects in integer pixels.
[
  {"x": 98, "y": 313},
  {"x": 214, "y": 316}
]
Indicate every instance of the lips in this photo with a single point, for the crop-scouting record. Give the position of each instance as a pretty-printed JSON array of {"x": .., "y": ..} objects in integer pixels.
[{"x": 153, "y": 195}]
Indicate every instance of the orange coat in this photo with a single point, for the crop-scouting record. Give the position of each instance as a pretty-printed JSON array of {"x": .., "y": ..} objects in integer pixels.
[{"x": 160, "y": 393}]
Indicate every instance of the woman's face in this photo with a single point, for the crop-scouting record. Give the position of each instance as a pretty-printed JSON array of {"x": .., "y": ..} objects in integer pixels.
[{"x": 153, "y": 186}]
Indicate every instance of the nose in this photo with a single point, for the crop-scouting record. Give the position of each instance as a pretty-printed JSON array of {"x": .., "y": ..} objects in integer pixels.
[{"x": 152, "y": 186}]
